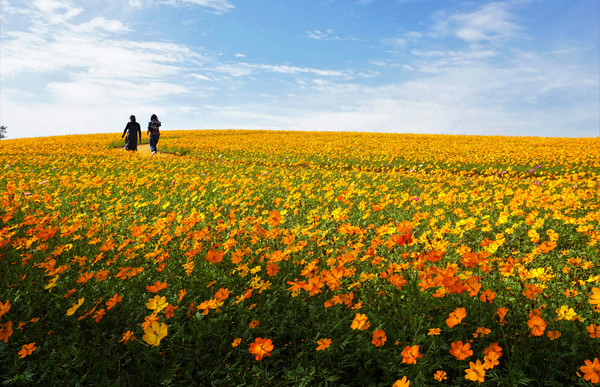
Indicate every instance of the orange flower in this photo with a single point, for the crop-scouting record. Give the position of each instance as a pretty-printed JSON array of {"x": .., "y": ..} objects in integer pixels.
[
  {"x": 127, "y": 336},
  {"x": 214, "y": 256},
  {"x": 440, "y": 375},
  {"x": 323, "y": 344},
  {"x": 99, "y": 314},
  {"x": 113, "y": 301},
  {"x": 591, "y": 371},
  {"x": 182, "y": 293},
  {"x": 501, "y": 313},
  {"x": 594, "y": 331},
  {"x": 487, "y": 296},
  {"x": 275, "y": 218},
  {"x": 494, "y": 347},
  {"x": 475, "y": 372},
  {"x": 491, "y": 360},
  {"x": 254, "y": 323},
  {"x": 537, "y": 325},
  {"x": 170, "y": 311},
  {"x": 261, "y": 347},
  {"x": 456, "y": 317},
  {"x": 272, "y": 269},
  {"x": 553, "y": 335},
  {"x": 27, "y": 350},
  {"x": 4, "y": 308},
  {"x": 461, "y": 351},
  {"x": 236, "y": 342},
  {"x": 434, "y": 332},
  {"x": 411, "y": 354},
  {"x": 222, "y": 294},
  {"x": 156, "y": 287},
  {"x": 532, "y": 291},
  {"x": 85, "y": 277},
  {"x": 595, "y": 296},
  {"x": 404, "y": 382},
  {"x": 101, "y": 275},
  {"x": 379, "y": 338},
  {"x": 148, "y": 320},
  {"x": 360, "y": 322},
  {"x": 6, "y": 331},
  {"x": 482, "y": 331}
]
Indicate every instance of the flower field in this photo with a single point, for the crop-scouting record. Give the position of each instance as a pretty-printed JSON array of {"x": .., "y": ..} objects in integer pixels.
[{"x": 300, "y": 258}]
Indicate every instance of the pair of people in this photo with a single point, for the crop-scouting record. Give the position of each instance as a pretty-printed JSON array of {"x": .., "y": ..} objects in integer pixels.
[{"x": 133, "y": 129}]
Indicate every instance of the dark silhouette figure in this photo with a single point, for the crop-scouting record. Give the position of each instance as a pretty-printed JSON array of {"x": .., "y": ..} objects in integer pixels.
[{"x": 132, "y": 129}]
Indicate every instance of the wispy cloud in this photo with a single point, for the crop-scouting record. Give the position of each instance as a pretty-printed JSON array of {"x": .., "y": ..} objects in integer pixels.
[
  {"x": 328, "y": 34},
  {"x": 323, "y": 35},
  {"x": 243, "y": 69},
  {"x": 216, "y": 5},
  {"x": 489, "y": 22}
]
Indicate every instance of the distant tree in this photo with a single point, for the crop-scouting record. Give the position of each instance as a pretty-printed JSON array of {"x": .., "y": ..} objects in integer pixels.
[{"x": 2, "y": 131}]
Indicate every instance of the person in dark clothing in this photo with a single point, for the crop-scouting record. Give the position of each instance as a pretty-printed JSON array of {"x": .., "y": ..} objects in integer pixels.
[
  {"x": 154, "y": 132},
  {"x": 132, "y": 129}
]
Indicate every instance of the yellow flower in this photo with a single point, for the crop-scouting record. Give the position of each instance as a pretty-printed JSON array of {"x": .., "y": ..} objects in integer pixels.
[
  {"x": 75, "y": 306},
  {"x": 404, "y": 382},
  {"x": 595, "y": 296},
  {"x": 566, "y": 313},
  {"x": 155, "y": 333},
  {"x": 475, "y": 372},
  {"x": 157, "y": 303},
  {"x": 360, "y": 322}
]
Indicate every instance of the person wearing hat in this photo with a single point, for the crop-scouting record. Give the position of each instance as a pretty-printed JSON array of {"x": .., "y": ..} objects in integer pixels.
[{"x": 132, "y": 129}]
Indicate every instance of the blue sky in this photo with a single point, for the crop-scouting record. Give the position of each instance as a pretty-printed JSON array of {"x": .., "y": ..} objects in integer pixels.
[{"x": 514, "y": 67}]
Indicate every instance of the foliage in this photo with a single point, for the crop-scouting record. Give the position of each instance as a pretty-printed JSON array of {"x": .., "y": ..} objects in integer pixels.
[{"x": 297, "y": 258}]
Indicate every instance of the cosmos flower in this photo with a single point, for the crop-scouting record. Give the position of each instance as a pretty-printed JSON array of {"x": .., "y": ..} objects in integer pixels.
[
  {"x": 155, "y": 333},
  {"x": 260, "y": 348}
]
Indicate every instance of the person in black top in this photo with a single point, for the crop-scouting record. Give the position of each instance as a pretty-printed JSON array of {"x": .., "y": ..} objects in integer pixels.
[
  {"x": 154, "y": 133},
  {"x": 132, "y": 129}
]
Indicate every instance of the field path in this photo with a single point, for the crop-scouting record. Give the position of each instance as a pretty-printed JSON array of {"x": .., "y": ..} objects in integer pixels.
[{"x": 144, "y": 150}]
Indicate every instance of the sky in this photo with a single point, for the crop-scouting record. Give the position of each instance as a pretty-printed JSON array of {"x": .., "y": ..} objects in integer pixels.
[{"x": 511, "y": 68}]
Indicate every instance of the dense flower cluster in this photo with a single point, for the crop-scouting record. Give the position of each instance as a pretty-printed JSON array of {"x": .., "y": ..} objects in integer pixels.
[{"x": 421, "y": 252}]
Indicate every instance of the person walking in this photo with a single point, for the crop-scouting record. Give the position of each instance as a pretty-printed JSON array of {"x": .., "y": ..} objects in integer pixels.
[
  {"x": 154, "y": 133},
  {"x": 132, "y": 130}
]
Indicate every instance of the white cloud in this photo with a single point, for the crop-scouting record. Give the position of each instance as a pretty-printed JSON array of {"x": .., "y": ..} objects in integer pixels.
[
  {"x": 201, "y": 77},
  {"x": 319, "y": 35},
  {"x": 490, "y": 22},
  {"x": 217, "y": 5},
  {"x": 378, "y": 63},
  {"x": 101, "y": 25},
  {"x": 329, "y": 34},
  {"x": 57, "y": 12},
  {"x": 244, "y": 69}
]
